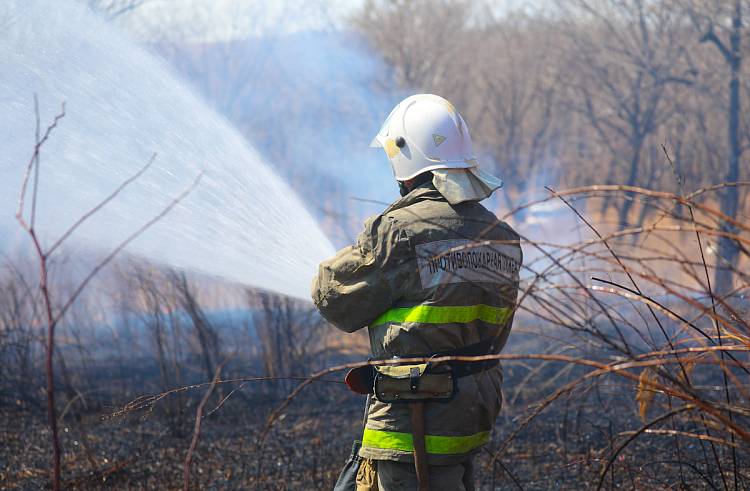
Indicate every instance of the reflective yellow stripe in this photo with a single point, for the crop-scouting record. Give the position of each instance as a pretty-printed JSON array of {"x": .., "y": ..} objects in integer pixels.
[
  {"x": 430, "y": 314},
  {"x": 395, "y": 440}
]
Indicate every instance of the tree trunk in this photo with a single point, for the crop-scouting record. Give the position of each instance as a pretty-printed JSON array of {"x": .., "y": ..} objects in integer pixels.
[
  {"x": 728, "y": 251},
  {"x": 635, "y": 161}
]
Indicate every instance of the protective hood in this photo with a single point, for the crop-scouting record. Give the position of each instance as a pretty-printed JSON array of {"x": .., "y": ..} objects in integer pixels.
[{"x": 459, "y": 185}]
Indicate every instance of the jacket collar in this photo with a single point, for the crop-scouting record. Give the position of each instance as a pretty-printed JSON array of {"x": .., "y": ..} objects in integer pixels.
[{"x": 423, "y": 192}]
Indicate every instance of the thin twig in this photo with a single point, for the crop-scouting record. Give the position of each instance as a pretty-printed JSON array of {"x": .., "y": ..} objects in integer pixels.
[
  {"x": 30, "y": 165},
  {"x": 635, "y": 435},
  {"x": 197, "y": 427},
  {"x": 101, "y": 205},
  {"x": 124, "y": 244}
]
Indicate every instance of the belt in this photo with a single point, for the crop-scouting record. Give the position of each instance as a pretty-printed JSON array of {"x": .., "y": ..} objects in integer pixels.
[
  {"x": 361, "y": 379},
  {"x": 465, "y": 368}
]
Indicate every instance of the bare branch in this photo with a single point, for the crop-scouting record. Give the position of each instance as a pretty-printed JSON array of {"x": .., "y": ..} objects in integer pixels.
[
  {"x": 710, "y": 36},
  {"x": 197, "y": 428},
  {"x": 101, "y": 205},
  {"x": 32, "y": 161},
  {"x": 122, "y": 245}
]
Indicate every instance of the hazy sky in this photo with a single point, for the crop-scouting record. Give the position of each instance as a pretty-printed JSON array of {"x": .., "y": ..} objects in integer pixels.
[{"x": 223, "y": 19}]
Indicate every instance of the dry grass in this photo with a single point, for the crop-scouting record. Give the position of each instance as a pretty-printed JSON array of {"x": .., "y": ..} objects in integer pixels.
[{"x": 627, "y": 368}]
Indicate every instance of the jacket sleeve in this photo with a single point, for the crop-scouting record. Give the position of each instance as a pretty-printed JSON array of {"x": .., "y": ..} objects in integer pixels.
[{"x": 364, "y": 280}]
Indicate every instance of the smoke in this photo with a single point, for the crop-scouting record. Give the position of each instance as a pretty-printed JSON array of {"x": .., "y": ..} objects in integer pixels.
[
  {"x": 310, "y": 102},
  {"x": 242, "y": 223}
]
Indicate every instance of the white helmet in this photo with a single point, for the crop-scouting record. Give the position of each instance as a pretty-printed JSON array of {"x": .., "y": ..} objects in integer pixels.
[{"x": 424, "y": 132}]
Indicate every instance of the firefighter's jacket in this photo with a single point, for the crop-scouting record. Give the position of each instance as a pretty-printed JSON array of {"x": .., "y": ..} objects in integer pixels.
[{"x": 424, "y": 277}]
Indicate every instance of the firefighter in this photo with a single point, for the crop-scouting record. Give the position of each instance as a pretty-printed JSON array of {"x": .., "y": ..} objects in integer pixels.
[{"x": 436, "y": 274}]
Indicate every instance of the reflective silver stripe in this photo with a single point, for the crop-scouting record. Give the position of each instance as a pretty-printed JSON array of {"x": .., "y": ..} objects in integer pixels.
[{"x": 467, "y": 261}]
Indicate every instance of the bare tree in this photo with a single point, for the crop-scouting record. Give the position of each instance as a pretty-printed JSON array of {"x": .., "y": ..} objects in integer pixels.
[
  {"x": 501, "y": 72},
  {"x": 512, "y": 93},
  {"x": 720, "y": 23},
  {"x": 289, "y": 332},
  {"x": 153, "y": 300},
  {"x": 629, "y": 63},
  {"x": 418, "y": 39},
  {"x": 53, "y": 312},
  {"x": 206, "y": 334},
  {"x": 20, "y": 339}
]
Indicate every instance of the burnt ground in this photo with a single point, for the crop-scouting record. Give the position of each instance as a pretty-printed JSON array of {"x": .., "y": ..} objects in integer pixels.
[{"x": 563, "y": 448}]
